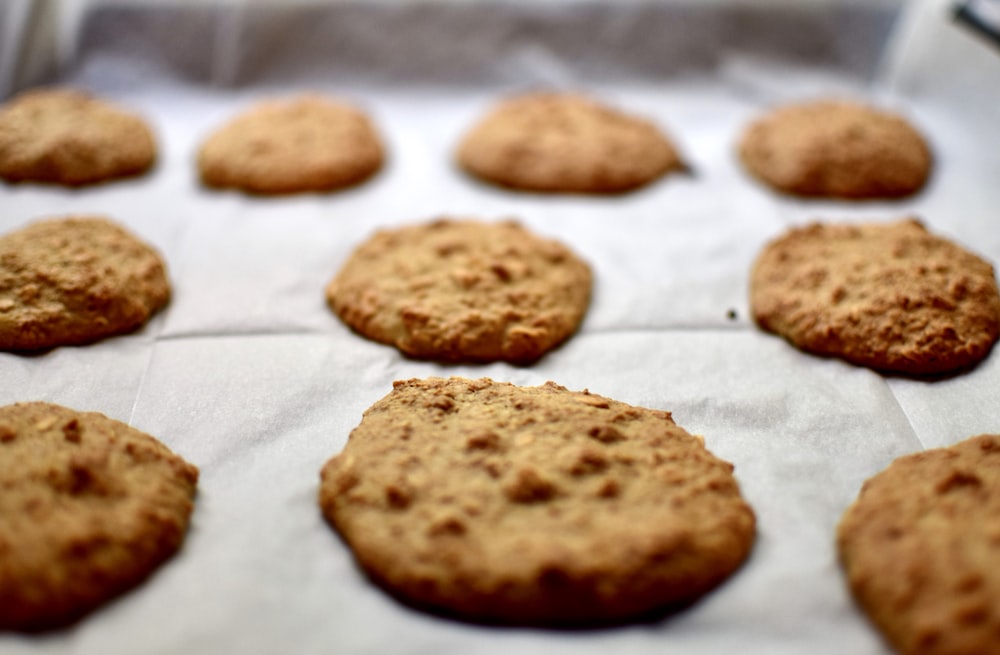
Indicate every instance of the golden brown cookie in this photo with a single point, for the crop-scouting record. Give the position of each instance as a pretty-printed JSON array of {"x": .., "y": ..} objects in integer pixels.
[
  {"x": 462, "y": 290},
  {"x": 836, "y": 149},
  {"x": 89, "y": 508},
  {"x": 557, "y": 142},
  {"x": 75, "y": 280},
  {"x": 71, "y": 138},
  {"x": 308, "y": 143},
  {"x": 920, "y": 548},
  {"x": 533, "y": 505},
  {"x": 892, "y": 297}
]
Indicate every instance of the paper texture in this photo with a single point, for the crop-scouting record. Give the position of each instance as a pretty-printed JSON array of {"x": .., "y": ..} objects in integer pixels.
[{"x": 250, "y": 377}]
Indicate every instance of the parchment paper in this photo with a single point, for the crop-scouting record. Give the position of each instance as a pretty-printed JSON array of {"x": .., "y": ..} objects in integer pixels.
[{"x": 249, "y": 376}]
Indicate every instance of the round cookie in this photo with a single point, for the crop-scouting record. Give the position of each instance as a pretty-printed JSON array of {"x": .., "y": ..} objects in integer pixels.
[
  {"x": 555, "y": 142},
  {"x": 75, "y": 280},
  {"x": 533, "y": 505},
  {"x": 462, "y": 290},
  {"x": 308, "y": 143},
  {"x": 920, "y": 548},
  {"x": 836, "y": 149},
  {"x": 90, "y": 507},
  {"x": 892, "y": 297},
  {"x": 71, "y": 138}
]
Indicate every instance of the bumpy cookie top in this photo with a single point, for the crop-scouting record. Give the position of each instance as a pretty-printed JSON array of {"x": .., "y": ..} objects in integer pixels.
[
  {"x": 920, "y": 547},
  {"x": 68, "y": 137},
  {"x": 836, "y": 149},
  {"x": 463, "y": 290},
  {"x": 308, "y": 143},
  {"x": 565, "y": 143},
  {"x": 533, "y": 504},
  {"x": 89, "y": 507},
  {"x": 889, "y": 296},
  {"x": 75, "y": 280}
]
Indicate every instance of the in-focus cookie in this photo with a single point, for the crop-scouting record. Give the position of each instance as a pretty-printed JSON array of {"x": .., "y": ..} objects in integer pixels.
[
  {"x": 71, "y": 138},
  {"x": 892, "y": 297},
  {"x": 90, "y": 507},
  {"x": 836, "y": 149},
  {"x": 920, "y": 548},
  {"x": 557, "y": 142},
  {"x": 75, "y": 280},
  {"x": 463, "y": 290},
  {"x": 533, "y": 505},
  {"x": 308, "y": 143}
]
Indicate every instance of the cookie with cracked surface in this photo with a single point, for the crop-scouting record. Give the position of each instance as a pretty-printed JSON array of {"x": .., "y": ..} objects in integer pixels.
[
  {"x": 69, "y": 137},
  {"x": 307, "y": 143},
  {"x": 75, "y": 280},
  {"x": 533, "y": 505},
  {"x": 919, "y": 548},
  {"x": 564, "y": 143},
  {"x": 90, "y": 508},
  {"x": 463, "y": 290},
  {"x": 893, "y": 297},
  {"x": 836, "y": 149}
]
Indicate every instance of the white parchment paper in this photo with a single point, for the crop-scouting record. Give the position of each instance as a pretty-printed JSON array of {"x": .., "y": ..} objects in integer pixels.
[{"x": 249, "y": 376}]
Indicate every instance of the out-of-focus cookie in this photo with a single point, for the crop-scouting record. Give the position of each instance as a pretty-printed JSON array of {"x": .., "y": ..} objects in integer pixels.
[
  {"x": 307, "y": 143},
  {"x": 71, "y": 138},
  {"x": 836, "y": 149},
  {"x": 920, "y": 548},
  {"x": 89, "y": 508},
  {"x": 557, "y": 142},
  {"x": 892, "y": 297},
  {"x": 533, "y": 505},
  {"x": 75, "y": 280},
  {"x": 463, "y": 290}
]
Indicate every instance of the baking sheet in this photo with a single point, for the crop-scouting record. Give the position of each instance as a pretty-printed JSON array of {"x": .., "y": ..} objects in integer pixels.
[{"x": 250, "y": 377}]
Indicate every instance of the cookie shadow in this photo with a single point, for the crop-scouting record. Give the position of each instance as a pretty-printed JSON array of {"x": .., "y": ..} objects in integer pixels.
[
  {"x": 683, "y": 170},
  {"x": 930, "y": 377},
  {"x": 654, "y": 618}
]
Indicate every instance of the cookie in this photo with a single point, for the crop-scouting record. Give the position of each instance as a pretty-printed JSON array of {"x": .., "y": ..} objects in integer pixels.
[
  {"x": 836, "y": 149},
  {"x": 920, "y": 548},
  {"x": 75, "y": 280},
  {"x": 533, "y": 505},
  {"x": 563, "y": 143},
  {"x": 892, "y": 297},
  {"x": 307, "y": 143},
  {"x": 463, "y": 290},
  {"x": 90, "y": 507},
  {"x": 71, "y": 138}
]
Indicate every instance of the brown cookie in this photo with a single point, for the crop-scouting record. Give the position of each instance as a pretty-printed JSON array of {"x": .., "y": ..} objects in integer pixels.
[
  {"x": 71, "y": 138},
  {"x": 462, "y": 290},
  {"x": 533, "y": 505},
  {"x": 836, "y": 149},
  {"x": 308, "y": 143},
  {"x": 75, "y": 280},
  {"x": 892, "y": 297},
  {"x": 89, "y": 508},
  {"x": 920, "y": 548},
  {"x": 557, "y": 142}
]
